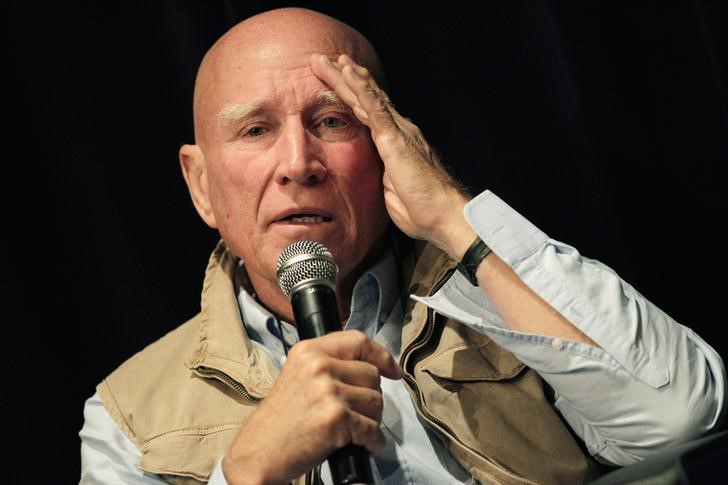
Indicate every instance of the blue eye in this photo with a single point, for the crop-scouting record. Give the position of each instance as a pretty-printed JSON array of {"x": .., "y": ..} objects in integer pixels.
[
  {"x": 331, "y": 122},
  {"x": 256, "y": 131}
]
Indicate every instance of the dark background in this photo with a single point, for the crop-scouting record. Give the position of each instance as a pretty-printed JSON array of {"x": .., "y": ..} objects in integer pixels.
[{"x": 604, "y": 123}]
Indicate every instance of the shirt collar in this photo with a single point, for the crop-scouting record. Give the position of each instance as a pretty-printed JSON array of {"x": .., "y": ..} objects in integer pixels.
[
  {"x": 373, "y": 299},
  {"x": 374, "y": 296}
]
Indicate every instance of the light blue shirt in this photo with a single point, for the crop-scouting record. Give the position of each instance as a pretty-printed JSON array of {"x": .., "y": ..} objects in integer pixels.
[{"x": 669, "y": 383}]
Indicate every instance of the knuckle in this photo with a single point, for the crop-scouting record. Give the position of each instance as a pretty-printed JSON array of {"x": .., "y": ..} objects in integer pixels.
[
  {"x": 358, "y": 337},
  {"x": 377, "y": 407},
  {"x": 367, "y": 433},
  {"x": 327, "y": 388},
  {"x": 299, "y": 350},
  {"x": 336, "y": 414},
  {"x": 317, "y": 366},
  {"x": 335, "y": 421},
  {"x": 371, "y": 374},
  {"x": 379, "y": 401}
]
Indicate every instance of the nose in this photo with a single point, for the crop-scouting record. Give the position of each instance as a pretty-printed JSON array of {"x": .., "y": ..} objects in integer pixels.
[{"x": 297, "y": 157}]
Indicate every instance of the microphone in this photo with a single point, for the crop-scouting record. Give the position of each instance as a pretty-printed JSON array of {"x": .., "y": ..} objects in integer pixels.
[{"x": 307, "y": 274}]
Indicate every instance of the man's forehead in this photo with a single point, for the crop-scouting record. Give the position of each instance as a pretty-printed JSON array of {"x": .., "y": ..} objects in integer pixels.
[
  {"x": 234, "y": 70},
  {"x": 276, "y": 50},
  {"x": 263, "y": 66},
  {"x": 266, "y": 66},
  {"x": 280, "y": 42}
]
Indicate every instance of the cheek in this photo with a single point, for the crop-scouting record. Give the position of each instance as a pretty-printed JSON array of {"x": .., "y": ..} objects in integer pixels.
[
  {"x": 362, "y": 169},
  {"x": 361, "y": 163},
  {"x": 232, "y": 186},
  {"x": 368, "y": 174}
]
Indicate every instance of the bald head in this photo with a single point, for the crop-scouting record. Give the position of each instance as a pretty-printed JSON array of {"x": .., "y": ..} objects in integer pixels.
[{"x": 262, "y": 40}]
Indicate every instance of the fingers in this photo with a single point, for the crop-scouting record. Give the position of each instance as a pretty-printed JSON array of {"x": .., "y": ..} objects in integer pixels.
[
  {"x": 352, "y": 414},
  {"x": 346, "y": 426},
  {"x": 366, "y": 432},
  {"x": 327, "y": 391},
  {"x": 353, "y": 345},
  {"x": 358, "y": 89},
  {"x": 330, "y": 73},
  {"x": 363, "y": 401},
  {"x": 342, "y": 370},
  {"x": 357, "y": 373}
]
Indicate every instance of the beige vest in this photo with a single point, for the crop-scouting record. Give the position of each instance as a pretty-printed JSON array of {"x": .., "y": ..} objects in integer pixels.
[{"x": 181, "y": 400}]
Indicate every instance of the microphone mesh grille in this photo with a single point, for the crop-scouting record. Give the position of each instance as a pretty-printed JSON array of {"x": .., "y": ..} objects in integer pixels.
[{"x": 305, "y": 260}]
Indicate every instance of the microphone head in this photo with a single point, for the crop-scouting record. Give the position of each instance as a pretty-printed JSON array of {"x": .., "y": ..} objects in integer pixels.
[{"x": 305, "y": 263}]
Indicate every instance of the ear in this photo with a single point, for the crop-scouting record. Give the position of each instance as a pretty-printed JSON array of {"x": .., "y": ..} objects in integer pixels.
[{"x": 194, "y": 170}]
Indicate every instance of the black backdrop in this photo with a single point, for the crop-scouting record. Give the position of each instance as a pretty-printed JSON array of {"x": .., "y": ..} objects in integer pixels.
[{"x": 606, "y": 125}]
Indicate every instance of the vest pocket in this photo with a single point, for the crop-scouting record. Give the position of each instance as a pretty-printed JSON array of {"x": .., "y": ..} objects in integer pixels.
[
  {"x": 187, "y": 455},
  {"x": 493, "y": 411},
  {"x": 467, "y": 363}
]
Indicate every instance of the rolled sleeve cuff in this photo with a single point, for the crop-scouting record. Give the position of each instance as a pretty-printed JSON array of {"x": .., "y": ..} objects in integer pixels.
[{"x": 510, "y": 235}]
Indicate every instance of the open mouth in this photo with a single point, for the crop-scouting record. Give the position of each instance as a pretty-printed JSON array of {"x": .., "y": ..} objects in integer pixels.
[{"x": 306, "y": 218}]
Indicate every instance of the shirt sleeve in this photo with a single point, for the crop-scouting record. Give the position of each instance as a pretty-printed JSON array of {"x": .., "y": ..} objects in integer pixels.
[
  {"x": 652, "y": 383},
  {"x": 217, "y": 477},
  {"x": 108, "y": 456}
]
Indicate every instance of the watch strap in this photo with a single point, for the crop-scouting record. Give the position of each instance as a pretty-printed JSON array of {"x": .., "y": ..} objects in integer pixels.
[{"x": 472, "y": 258}]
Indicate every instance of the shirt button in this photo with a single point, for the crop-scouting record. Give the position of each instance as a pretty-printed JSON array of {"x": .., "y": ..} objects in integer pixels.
[{"x": 557, "y": 343}]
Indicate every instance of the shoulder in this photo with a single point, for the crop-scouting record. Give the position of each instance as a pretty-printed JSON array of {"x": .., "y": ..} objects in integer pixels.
[
  {"x": 148, "y": 375},
  {"x": 162, "y": 356}
]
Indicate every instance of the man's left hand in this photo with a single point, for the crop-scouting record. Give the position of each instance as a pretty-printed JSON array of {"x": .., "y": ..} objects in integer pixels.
[{"x": 421, "y": 197}]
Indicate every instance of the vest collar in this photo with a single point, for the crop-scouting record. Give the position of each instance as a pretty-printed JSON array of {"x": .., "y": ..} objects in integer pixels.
[
  {"x": 223, "y": 345},
  {"x": 426, "y": 268}
]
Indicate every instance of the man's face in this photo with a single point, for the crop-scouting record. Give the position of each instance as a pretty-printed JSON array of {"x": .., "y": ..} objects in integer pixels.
[{"x": 286, "y": 161}]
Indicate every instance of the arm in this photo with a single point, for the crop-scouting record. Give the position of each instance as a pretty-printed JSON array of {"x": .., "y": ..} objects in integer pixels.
[
  {"x": 627, "y": 377},
  {"x": 425, "y": 203},
  {"x": 650, "y": 383}
]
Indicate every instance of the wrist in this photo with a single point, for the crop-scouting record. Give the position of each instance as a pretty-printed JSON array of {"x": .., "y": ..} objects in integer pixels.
[
  {"x": 236, "y": 471},
  {"x": 472, "y": 260},
  {"x": 455, "y": 235}
]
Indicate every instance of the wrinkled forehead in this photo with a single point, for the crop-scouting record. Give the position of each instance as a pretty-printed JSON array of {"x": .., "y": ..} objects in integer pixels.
[{"x": 242, "y": 64}]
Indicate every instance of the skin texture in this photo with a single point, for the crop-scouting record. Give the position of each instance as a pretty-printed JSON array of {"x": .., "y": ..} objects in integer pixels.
[{"x": 358, "y": 163}]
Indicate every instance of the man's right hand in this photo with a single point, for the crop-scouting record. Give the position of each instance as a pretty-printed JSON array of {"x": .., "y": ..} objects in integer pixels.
[{"x": 326, "y": 396}]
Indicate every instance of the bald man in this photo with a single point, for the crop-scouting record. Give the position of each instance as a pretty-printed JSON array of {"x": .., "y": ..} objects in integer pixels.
[{"x": 295, "y": 139}]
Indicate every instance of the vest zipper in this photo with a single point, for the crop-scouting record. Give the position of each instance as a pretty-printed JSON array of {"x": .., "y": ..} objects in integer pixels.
[
  {"x": 221, "y": 376},
  {"x": 419, "y": 344},
  {"x": 424, "y": 337}
]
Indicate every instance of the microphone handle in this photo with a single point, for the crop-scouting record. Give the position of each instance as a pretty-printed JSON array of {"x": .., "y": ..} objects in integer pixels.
[{"x": 317, "y": 313}]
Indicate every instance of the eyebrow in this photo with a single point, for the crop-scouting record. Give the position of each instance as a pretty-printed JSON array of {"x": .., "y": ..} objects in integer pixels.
[
  {"x": 237, "y": 112},
  {"x": 329, "y": 97}
]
